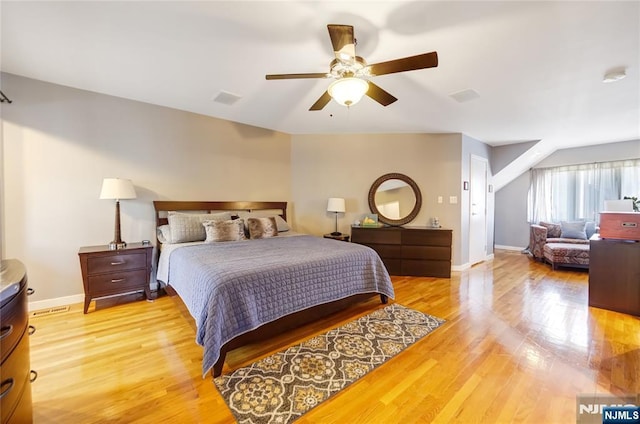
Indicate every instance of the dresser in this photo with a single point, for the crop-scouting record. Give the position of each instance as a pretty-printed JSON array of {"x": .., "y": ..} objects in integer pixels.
[
  {"x": 115, "y": 272},
  {"x": 614, "y": 275},
  {"x": 15, "y": 369},
  {"x": 412, "y": 251}
]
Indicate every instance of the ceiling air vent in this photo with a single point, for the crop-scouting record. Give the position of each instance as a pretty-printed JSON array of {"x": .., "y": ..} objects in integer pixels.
[
  {"x": 226, "y": 98},
  {"x": 465, "y": 95}
]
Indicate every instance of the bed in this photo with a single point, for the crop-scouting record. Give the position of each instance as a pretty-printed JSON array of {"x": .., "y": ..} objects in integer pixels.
[{"x": 246, "y": 290}]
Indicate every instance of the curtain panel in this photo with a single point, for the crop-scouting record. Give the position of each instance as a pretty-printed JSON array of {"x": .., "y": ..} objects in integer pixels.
[{"x": 578, "y": 192}]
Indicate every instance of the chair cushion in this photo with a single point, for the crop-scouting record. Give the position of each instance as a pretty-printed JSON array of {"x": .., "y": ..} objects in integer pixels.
[
  {"x": 573, "y": 229},
  {"x": 567, "y": 253},
  {"x": 553, "y": 230}
]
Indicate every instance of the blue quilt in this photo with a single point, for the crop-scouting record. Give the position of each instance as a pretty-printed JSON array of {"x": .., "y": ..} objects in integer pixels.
[{"x": 231, "y": 288}]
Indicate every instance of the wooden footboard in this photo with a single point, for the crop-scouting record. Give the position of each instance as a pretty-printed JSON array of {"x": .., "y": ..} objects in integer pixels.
[
  {"x": 288, "y": 322},
  {"x": 279, "y": 326}
]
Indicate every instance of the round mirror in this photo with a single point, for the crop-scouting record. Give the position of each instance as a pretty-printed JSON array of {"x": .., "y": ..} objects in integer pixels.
[{"x": 395, "y": 198}]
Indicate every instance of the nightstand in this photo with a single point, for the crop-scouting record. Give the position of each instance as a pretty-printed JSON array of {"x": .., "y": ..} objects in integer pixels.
[
  {"x": 115, "y": 272},
  {"x": 341, "y": 237}
]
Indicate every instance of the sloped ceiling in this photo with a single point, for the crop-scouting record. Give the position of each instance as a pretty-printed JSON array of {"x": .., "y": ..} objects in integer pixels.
[{"x": 537, "y": 66}]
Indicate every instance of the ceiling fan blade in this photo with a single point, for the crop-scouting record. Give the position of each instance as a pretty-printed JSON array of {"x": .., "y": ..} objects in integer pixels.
[
  {"x": 321, "y": 102},
  {"x": 411, "y": 63},
  {"x": 296, "y": 76},
  {"x": 379, "y": 95},
  {"x": 343, "y": 41}
]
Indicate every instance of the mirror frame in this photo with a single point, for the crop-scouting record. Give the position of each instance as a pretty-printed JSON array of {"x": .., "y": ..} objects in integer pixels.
[{"x": 416, "y": 191}]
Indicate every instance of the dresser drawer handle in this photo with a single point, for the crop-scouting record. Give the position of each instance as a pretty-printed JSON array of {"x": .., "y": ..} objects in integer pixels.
[
  {"x": 30, "y": 291},
  {"x": 34, "y": 376},
  {"x": 5, "y": 331},
  {"x": 6, "y": 387},
  {"x": 117, "y": 263},
  {"x": 32, "y": 330},
  {"x": 119, "y": 280}
]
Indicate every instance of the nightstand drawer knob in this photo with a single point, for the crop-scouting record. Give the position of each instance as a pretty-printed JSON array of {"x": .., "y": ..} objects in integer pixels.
[
  {"x": 118, "y": 280},
  {"x": 117, "y": 263}
]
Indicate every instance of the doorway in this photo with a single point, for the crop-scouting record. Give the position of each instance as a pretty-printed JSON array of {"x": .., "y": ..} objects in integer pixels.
[{"x": 478, "y": 169}]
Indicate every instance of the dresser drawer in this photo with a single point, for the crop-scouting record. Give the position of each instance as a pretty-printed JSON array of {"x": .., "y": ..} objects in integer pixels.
[
  {"x": 117, "y": 282},
  {"x": 116, "y": 262},
  {"x": 15, "y": 375},
  {"x": 394, "y": 266},
  {"x": 13, "y": 323},
  {"x": 426, "y": 268},
  {"x": 23, "y": 413},
  {"x": 392, "y": 251},
  {"x": 375, "y": 236},
  {"x": 427, "y": 238},
  {"x": 426, "y": 252}
]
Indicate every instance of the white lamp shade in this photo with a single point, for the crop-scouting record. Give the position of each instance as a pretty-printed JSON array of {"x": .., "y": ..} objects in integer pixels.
[
  {"x": 348, "y": 91},
  {"x": 335, "y": 204},
  {"x": 117, "y": 188}
]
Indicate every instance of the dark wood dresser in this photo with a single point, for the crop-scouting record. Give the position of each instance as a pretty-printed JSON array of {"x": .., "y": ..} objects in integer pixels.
[
  {"x": 108, "y": 272},
  {"x": 614, "y": 275},
  {"x": 413, "y": 251},
  {"x": 15, "y": 368}
]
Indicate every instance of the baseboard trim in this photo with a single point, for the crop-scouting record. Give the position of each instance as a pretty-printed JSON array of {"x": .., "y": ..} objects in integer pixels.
[
  {"x": 503, "y": 247},
  {"x": 460, "y": 267},
  {"x": 56, "y": 302}
]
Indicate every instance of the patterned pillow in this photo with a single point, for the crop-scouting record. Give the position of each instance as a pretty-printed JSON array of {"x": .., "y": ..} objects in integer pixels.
[
  {"x": 553, "y": 230},
  {"x": 262, "y": 227},
  {"x": 573, "y": 229},
  {"x": 186, "y": 227},
  {"x": 224, "y": 230},
  {"x": 280, "y": 222}
]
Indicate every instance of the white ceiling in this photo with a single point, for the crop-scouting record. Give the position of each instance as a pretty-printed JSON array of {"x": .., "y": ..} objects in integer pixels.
[{"x": 537, "y": 66}]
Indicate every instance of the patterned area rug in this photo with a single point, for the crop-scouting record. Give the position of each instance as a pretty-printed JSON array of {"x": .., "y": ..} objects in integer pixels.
[{"x": 282, "y": 387}]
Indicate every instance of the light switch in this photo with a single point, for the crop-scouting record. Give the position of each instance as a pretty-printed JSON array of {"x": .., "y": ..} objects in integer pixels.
[
  {"x": 453, "y": 200},
  {"x": 439, "y": 199}
]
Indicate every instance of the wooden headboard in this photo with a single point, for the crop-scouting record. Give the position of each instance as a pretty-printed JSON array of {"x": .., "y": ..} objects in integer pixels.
[{"x": 164, "y": 206}]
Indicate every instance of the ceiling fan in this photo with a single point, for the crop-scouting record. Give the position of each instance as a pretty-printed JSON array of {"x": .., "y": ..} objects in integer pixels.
[{"x": 352, "y": 74}]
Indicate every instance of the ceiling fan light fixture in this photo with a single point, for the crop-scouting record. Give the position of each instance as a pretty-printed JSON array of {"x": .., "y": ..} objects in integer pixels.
[{"x": 348, "y": 91}]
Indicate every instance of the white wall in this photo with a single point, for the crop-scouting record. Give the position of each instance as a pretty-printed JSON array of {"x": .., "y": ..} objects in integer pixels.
[
  {"x": 346, "y": 165},
  {"x": 59, "y": 143}
]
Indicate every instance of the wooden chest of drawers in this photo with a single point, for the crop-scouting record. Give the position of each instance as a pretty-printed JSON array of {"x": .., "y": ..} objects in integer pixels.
[
  {"x": 15, "y": 372},
  {"x": 114, "y": 272},
  {"x": 413, "y": 251}
]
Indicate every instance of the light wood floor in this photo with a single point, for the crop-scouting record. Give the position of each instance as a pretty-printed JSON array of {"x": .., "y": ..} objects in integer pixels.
[{"x": 519, "y": 344}]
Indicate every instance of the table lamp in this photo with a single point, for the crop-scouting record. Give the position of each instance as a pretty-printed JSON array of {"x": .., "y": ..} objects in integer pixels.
[
  {"x": 118, "y": 189},
  {"x": 336, "y": 205}
]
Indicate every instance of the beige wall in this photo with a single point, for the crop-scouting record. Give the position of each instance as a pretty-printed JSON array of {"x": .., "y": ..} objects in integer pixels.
[
  {"x": 59, "y": 143},
  {"x": 345, "y": 165}
]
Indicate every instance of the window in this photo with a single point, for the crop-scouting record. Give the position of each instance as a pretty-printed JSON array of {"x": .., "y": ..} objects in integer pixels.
[{"x": 567, "y": 193}]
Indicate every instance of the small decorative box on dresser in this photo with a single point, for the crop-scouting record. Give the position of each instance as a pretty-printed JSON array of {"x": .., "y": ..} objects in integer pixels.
[
  {"x": 413, "y": 251},
  {"x": 15, "y": 373},
  {"x": 108, "y": 272}
]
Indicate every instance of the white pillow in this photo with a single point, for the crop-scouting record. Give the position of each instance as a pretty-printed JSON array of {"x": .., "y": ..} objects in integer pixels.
[
  {"x": 186, "y": 227},
  {"x": 224, "y": 230},
  {"x": 280, "y": 222},
  {"x": 164, "y": 234}
]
